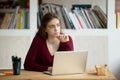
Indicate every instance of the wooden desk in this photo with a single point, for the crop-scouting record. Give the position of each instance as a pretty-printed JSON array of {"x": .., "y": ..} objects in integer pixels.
[{"x": 90, "y": 74}]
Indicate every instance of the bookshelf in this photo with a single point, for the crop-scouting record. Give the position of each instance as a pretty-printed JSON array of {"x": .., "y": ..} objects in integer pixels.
[
  {"x": 30, "y": 30},
  {"x": 77, "y": 18},
  {"x": 102, "y": 4},
  {"x": 14, "y": 31}
]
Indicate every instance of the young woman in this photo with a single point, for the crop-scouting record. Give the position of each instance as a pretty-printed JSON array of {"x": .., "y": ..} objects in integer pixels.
[{"x": 46, "y": 42}]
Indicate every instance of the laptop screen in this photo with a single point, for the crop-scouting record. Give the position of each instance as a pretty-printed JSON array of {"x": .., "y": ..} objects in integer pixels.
[{"x": 69, "y": 62}]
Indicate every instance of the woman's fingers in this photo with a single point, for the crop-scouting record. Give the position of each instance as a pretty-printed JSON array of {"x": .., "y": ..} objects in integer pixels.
[{"x": 63, "y": 38}]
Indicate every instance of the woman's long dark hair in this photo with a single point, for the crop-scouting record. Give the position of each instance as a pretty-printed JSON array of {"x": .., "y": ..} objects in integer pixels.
[{"x": 45, "y": 20}]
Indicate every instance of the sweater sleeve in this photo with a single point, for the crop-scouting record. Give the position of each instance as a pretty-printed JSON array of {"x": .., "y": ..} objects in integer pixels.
[
  {"x": 30, "y": 63},
  {"x": 67, "y": 46}
]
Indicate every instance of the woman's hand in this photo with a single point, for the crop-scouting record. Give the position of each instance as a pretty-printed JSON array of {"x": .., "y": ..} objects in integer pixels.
[
  {"x": 49, "y": 68},
  {"x": 63, "y": 38}
]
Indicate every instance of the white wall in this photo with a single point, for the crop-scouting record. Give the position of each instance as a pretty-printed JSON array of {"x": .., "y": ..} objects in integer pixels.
[
  {"x": 11, "y": 46},
  {"x": 19, "y": 45},
  {"x": 97, "y": 47},
  {"x": 114, "y": 41},
  {"x": 114, "y": 53}
]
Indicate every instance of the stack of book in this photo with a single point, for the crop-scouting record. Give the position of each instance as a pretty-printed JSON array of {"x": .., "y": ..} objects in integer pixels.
[
  {"x": 81, "y": 16},
  {"x": 58, "y": 9},
  {"x": 14, "y": 19}
]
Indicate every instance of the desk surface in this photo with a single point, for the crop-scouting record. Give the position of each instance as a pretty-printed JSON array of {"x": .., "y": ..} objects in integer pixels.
[{"x": 90, "y": 74}]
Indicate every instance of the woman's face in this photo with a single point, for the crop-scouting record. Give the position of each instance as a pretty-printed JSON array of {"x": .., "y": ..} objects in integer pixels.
[{"x": 53, "y": 28}]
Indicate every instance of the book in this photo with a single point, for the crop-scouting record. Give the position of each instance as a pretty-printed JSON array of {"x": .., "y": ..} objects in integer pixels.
[
  {"x": 67, "y": 25},
  {"x": 17, "y": 26},
  {"x": 85, "y": 6},
  {"x": 51, "y": 8},
  {"x": 25, "y": 19},
  {"x": 81, "y": 21},
  {"x": 66, "y": 14},
  {"x": 117, "y": 20},
  {"x": 1, "y": 17},
  {"x": 9, "y": 20},
  {"x": 101, "y": 15},
  {"x": 28, "y": 20},
  {"x": 45, "y": 8},
  {"x": 38, "y": 20},
  {"x": 99, "y": 19},
  {"x": 59, "y": 13},
  {"x": 14, "y": 18},
  {"x": 3, "y": 25},
  {"x": 85, "y": 17},
  {"x": 87, "y": 13},
  {"x": 95, "y": 20},
  {"x": 74, "y": 20}
]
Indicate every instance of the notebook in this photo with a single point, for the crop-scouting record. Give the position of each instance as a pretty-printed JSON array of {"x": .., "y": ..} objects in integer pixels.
[{"x": 69, "y": 62}]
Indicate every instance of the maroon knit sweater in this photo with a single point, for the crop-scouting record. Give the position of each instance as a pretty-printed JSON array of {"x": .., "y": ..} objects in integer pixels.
[{"x": 39, "y": 58}]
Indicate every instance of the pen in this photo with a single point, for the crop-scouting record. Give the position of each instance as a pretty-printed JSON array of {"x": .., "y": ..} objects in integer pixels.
[{"x": 16, "y": 58}]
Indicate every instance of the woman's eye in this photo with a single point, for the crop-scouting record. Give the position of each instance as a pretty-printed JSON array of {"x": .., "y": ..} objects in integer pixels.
[
  {"x": 51, "y": 27},
  {"x": 58, "y": 25}
]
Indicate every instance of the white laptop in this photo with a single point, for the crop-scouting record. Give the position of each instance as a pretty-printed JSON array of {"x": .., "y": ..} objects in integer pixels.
[{"x": 69, "y": 62}]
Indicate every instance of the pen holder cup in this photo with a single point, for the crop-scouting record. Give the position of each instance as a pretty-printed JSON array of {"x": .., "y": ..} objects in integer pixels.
[
  {"x": 101, "y": 70},
  {"x": 16, "y": 67}
]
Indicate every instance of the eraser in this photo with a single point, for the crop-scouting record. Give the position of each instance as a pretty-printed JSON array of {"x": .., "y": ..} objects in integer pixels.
[{"x": 8, "y": 72}]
